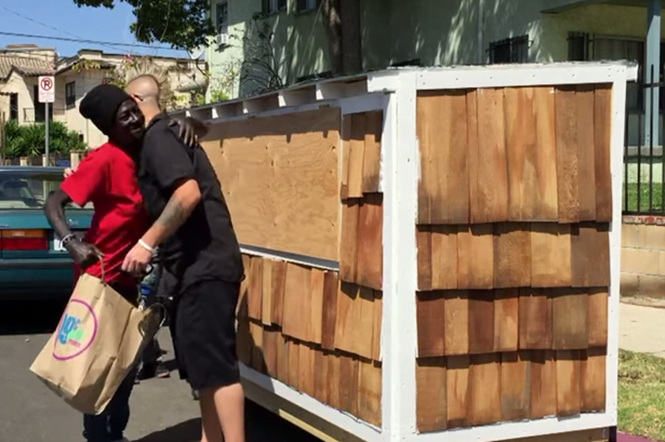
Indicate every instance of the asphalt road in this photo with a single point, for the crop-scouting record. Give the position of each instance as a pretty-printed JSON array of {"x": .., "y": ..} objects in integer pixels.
[{"x": 162, "y": 409}]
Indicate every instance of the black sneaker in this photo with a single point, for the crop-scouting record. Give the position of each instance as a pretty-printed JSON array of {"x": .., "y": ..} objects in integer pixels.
[{"x": 149, "y": 371}]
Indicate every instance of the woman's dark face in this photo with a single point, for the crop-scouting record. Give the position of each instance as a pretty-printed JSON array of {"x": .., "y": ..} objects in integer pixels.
[{"x": 129, "y": 125}]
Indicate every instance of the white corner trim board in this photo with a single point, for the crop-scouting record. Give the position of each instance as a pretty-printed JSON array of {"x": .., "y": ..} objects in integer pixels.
[{"x": 338, "y": 418}]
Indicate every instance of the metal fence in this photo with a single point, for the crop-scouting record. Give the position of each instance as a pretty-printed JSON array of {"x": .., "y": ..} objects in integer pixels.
[{"x": 644, "y": 174}]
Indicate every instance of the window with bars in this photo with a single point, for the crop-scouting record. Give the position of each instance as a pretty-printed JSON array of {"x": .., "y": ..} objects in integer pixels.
[
  {"x": 222, "y": 17},
  {"x": 273, "y": 6},
  {"x": 307, "y": 5},
  {"x": 578, "y": 46},
  {"x": 13, "y": 106},
  {"x": 510, "y": 50},
  {"x": 70, "y": 95}
]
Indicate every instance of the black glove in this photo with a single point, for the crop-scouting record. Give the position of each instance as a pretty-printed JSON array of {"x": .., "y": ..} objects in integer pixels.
[{"x": 84, "y": 254}]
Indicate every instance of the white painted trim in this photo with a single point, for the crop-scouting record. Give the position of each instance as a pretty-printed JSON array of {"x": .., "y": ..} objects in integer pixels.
[
  {"x": 617, "y": 140},
  {"x": 518, "y": 430},
  {"x": 400, "y": 262},
  {"x": 309, "y": 261},
  {"x": 515, "y": 75},
  {"x": 343, "y": 420}
]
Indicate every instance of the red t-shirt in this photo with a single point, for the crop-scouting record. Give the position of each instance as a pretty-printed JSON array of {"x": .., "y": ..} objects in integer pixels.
[{"x": 107, "y": 178}]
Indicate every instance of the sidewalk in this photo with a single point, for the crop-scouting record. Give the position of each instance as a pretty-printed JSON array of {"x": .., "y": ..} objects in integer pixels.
[{"x": 642, "y": 329}]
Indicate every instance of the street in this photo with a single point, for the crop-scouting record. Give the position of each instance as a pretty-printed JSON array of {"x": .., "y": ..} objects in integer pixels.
[{"x": 162, "y": 409}]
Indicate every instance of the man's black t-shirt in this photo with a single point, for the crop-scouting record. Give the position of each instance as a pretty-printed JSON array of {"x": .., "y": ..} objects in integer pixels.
[{"x": 205, "y": 247}]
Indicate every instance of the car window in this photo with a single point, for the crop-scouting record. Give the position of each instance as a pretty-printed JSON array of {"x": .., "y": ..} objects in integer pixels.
[{"x": 19, "y": 190}]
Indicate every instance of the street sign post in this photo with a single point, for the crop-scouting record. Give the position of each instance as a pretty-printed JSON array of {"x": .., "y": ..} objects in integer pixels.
[{"x": 46, "y": 95}]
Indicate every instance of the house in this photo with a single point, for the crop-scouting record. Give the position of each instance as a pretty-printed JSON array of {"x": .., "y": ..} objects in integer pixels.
[{"x": 20, "y": 65}]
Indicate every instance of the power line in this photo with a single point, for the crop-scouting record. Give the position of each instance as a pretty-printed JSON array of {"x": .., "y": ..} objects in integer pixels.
[{"x": 81, "y": 40}]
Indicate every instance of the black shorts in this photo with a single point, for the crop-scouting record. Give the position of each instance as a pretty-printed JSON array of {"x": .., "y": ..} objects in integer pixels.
[{"x": 205, "y": 334}]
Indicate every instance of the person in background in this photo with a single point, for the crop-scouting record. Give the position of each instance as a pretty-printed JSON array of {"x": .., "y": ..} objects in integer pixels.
[
  {"x": 107, "y": 178},
  {"x": 192, "y": 227}
]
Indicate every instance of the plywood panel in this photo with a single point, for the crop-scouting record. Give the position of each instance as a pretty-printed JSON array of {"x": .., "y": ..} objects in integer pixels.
[
  {"x": 441, "y": 120},
  {"x": 570, "y": 319},
  {"x": 431, "y": 394},
  {"x": 369, "y": 261},
  {"x": 602, "y": 131},
  {"x": 550, "y": 255},
  {"x": 430, "y": 308},
  {"x": 567, "y": 161},
  {"x": 535, "y": 319},
  {"x": 279, "y": 175},
  {"x": 475, "y": 257},
  {"x": 512, "y": 255},
  {"x": 487, "y": 161},
  {"x": 590, "y": 248}
]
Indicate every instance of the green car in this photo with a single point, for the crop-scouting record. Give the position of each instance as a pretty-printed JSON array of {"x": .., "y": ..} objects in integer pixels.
[{"x": 33, "y": 263}]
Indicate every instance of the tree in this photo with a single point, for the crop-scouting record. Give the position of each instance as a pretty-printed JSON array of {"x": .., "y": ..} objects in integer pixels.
[
  {"x": 27, "y": 140},
  {"x": 184, "y": 24},
  {"x": 341, "y": 19}
]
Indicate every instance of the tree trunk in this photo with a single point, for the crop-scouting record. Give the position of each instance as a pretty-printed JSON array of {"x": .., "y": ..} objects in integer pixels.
[{"x": 342, "y": 23}]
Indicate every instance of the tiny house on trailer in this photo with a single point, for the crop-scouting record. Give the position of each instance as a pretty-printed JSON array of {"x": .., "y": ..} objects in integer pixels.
[{"x": 431, "y": 254}]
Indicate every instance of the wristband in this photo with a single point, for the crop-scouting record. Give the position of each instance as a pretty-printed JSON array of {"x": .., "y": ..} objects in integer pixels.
[
  {"x": 146, "y": 246},
  {"x": 64, "y": 241}
]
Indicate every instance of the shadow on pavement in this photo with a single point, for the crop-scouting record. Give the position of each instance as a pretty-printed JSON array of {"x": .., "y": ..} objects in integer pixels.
[
  {"x": 30, "y": 317},
  {"x": 188, "y": 431}
]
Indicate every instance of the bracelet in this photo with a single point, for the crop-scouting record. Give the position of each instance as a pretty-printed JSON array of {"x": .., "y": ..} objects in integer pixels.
[
  {"x": 146, "y": 246},
  {"x": 64, "y": 241}
]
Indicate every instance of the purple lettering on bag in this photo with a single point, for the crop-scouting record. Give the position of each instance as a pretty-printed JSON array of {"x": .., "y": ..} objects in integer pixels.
[{"x": 76, "y": 332}]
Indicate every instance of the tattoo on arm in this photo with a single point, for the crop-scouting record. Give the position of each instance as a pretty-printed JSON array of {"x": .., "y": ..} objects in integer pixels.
[{"x": 173, "y": 216}]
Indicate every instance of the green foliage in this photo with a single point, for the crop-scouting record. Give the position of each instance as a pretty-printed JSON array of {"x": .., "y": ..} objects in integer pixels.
[
  {"x": 183, "y": 24},
  {"x": 28, "y": 140}
]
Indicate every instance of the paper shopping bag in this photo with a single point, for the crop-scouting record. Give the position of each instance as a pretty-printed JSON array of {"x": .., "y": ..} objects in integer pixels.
[{"x": 96, "y": 344}]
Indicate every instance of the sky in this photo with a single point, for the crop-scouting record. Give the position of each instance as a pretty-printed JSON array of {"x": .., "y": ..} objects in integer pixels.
[{"x": 63, "y": 19}]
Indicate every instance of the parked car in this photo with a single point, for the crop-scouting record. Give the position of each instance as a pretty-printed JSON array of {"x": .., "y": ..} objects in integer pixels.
[{"x": 33, "y": 262}]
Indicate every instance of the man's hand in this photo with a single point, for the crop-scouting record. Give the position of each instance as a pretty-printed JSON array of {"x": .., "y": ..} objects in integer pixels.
[
  {"x": 137, "y": 260},
  {"x": 190, "y": 129},
  {"x": 84, "y": 254},
  {"x": 69, "y": 171}
]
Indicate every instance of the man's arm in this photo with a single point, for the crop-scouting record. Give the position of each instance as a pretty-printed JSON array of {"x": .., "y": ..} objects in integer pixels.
[{"x": 54, "y": 209}]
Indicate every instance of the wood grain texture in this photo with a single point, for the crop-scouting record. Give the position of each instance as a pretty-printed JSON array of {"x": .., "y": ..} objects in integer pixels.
[
  {"x": 345, "y": 155},
  {"x": 369, "y": 262},
  {"x": 431, "y": 320},
  {"x": 278, "y": 286},
  {"x": 255, "y": 289},
  {"x": 535, "y": 319},
  {"x": 282, "y": 358},
  {"x": 550, "y": 255},
  {"x": 594, "y": 373},
  {"x": 321, "y": 376},
  {"x": 431, "y": 395},
  {"x": 566, "y": 149},
  {"x": 356, "y": 156},
  {"x": 256, "y": 334},
  {"x": 349, "y": 375},
  {"x": 515, "y": 385},
  {"x": 506, "y": 320},
  {"x": 568, "y": 382},
  {"x": 372, "y": 159},
  {"x": 297, "y": 302},
  {"x": 266, "y": 302},
  {"x": 317, "y": 287},
  {"x": 293, "y": 352},
  {"x": 369, "y": 392},
  {"x": 570, "y": 319},
  {"x": 543, "y": 384},
  {"x": 590, "y": 250},
  {"x": 424, "y": 244},
  {"x": 306, "y": 373},
  {"x": 598, "y": 317},
  {"x": 547, "y": 206},
  {"x": 602, "y": 138},
  {"x": 295, "y": 207},
  {"x": 487, "y": 161},
  {"x": 377, "y": 326},
  {"x": 355, "y": 320},
  {"x": 270, "y": 350},
  {"x": 444, "y": 257},
  {"x": 481, "y": 321},
  {"x": 334, "y": 380},
  {"x": 586, "y": 168},
  {"x": 458, "y": 391},
  {"x": 348, "y": 246},
  {"x": 330, "y": 291},
  {"x": 512, "y": 255},
  {"x": 475, "y": 257},
  {"x": 456, "y": 322},
  {"x": 441, "y": 126},
  {"x": 485, "y": 386}
]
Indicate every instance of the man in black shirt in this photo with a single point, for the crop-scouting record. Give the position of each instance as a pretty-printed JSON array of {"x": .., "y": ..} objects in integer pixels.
[{"x": 198, "y": 246}]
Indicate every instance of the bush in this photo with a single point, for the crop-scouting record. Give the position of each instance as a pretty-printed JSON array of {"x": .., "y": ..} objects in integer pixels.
[{"x": 28, "y": 140}]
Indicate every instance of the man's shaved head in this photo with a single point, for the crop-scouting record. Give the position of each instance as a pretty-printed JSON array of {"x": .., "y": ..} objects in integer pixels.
[{"x": 145, "y": 88}]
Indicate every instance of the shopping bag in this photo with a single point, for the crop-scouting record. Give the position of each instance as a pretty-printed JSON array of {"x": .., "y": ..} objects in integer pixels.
[{"x": 97, "y": 342}]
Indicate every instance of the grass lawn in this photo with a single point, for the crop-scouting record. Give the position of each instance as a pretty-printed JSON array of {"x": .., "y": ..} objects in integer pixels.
[
  {"x": 642, "y": 395},
  {"x": 644, "y": 197}
]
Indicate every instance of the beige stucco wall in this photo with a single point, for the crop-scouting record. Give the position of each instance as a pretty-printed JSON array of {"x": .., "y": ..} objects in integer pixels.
[{"x": 17, "y": 85}]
